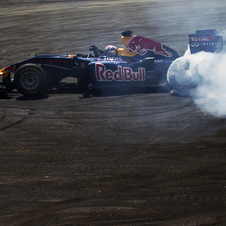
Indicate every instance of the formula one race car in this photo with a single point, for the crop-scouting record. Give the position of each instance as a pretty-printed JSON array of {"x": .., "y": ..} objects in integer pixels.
[{"x": 140, "y": 61}]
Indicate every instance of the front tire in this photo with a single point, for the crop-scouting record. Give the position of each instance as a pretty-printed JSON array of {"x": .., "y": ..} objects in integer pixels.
[{"x": 30, "y": 80}]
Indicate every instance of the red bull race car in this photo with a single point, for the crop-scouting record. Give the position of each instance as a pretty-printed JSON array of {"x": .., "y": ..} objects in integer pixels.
[{"x": 140, "y": 61}]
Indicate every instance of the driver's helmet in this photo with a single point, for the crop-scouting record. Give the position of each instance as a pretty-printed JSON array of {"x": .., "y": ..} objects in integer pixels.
[{"x": 110, "y": 49}]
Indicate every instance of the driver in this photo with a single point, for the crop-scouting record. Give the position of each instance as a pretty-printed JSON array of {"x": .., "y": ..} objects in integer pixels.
[{"x": 110, "y": 50}]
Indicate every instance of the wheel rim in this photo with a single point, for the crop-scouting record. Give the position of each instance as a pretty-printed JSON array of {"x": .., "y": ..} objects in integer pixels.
[{"x": 29, "y": 80}]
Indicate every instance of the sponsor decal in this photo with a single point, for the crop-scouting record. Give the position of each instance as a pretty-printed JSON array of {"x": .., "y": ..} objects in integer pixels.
[
  {"x": 109, "y": 59},
  {"x": 112, "y": 58},
  {"x": 197, "y": 44},
  {"x": 194, "y": 44},
  {"x": 141, "y": 45},
  {"x": 201, "y": 39},
  {"x": 158, "y": 61},
  {"x": 122, "y": 74}
]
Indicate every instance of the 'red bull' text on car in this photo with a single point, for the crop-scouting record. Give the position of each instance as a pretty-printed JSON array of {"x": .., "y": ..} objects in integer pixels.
[{"x": 140, "y": 61}]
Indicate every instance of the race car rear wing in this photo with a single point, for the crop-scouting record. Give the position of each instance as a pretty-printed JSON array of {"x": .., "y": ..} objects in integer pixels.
[{"x": 206, "y": 40}]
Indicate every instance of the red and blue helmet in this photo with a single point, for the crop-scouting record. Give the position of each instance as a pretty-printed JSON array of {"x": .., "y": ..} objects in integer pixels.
[{"x": 110, "y": 49}]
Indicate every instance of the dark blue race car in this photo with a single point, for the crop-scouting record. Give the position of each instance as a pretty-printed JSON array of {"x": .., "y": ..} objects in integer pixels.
[{"x": 140, "y": 62}]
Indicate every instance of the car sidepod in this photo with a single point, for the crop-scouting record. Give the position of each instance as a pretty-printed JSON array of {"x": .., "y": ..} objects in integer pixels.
[
  {"x": 124, "y": 71},
  {"x": 116, "y": 71}
]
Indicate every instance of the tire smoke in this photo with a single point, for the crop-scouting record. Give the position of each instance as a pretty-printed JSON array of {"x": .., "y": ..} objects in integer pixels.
[{"x": 209, "y": 71}]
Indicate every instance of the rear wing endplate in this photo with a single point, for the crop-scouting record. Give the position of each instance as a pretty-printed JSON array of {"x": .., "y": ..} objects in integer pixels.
[{"x": 206, "y": 40}]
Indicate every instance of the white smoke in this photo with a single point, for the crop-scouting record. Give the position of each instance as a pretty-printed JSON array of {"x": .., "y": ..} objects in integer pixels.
[{"x": 210, "y": 72}]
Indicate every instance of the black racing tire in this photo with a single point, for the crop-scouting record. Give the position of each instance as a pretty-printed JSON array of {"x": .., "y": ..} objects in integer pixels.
[
  {"x": 179, "y": 76},
  {"x": 30, "y": 80}
]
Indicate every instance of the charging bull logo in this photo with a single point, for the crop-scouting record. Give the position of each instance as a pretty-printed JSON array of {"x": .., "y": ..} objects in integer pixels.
[
  {"x": 125, "y": 74},
  {"x": 141, "y": 45}
]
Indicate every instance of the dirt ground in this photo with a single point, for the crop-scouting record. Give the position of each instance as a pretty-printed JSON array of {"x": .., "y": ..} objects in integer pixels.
[{"x": 124, "y": 159}]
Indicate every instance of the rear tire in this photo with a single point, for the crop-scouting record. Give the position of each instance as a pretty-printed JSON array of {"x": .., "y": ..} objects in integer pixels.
[
  {"x": 179, "y": 76},
  {"x": 30, "y": 80}
]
